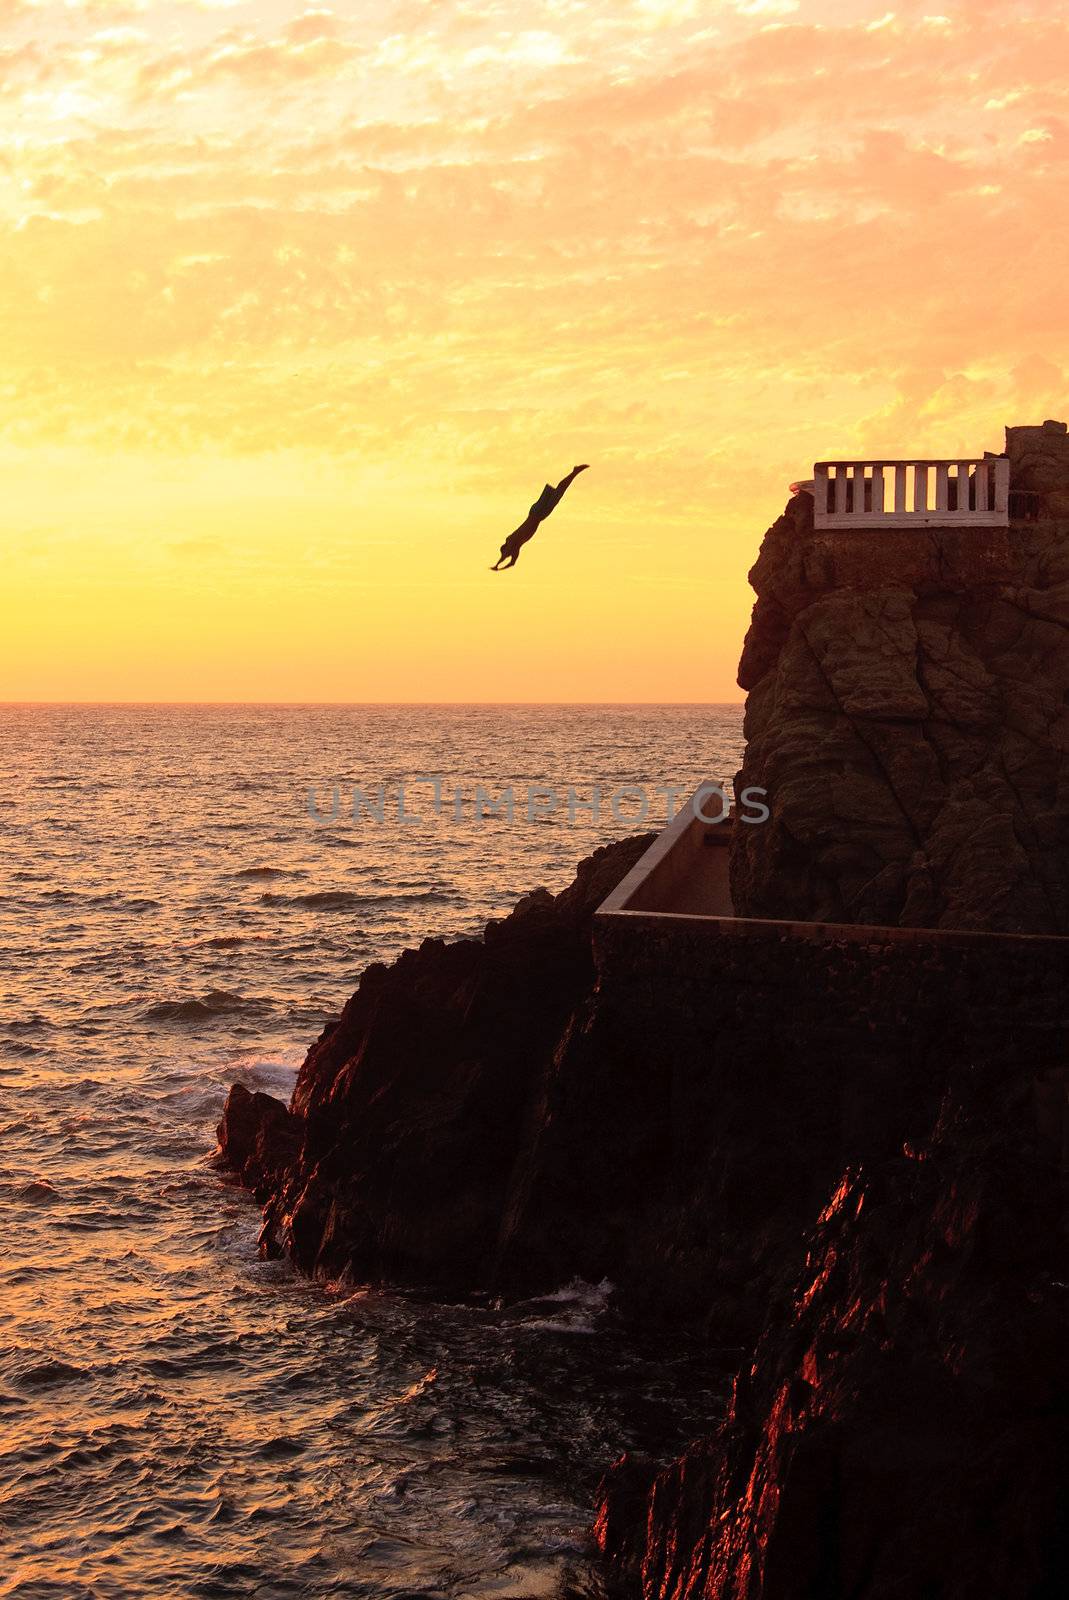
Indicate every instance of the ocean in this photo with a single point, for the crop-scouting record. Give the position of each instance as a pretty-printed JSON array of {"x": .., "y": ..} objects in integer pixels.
[{"x": 186, "y": 897}]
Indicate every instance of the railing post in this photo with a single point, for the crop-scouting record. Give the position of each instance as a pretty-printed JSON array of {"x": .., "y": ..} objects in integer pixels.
[
  {"x": 857, "y": 480},
  {"x": 941, "y": 481},
  {"x": 920, "y": 487},
  {"x": 900, "y": 487},
  {"x": 964, "y": 503},
  {"x": 820, "y": 491}
]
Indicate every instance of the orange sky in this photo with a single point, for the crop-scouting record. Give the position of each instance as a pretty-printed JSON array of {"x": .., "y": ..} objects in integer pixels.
[{"x": 302, "y": 306}]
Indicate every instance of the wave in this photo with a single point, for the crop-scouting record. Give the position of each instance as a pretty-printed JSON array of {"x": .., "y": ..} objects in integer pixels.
[
  {"x": 324, "y": 899},
  {"x": 49, "y": 1372},
  {"x": 100, "y": 902},
  {"x": 216, "y": 1003},
  {"x": 574, "y": 1309},
  {"x": 329, "y": 899},
  {"x": 34, "y": 1023},
  {"x": 37, "y": 1192},
  {"x": 268, "y": 872},
  {"x": 273, "y": 1076},
  {"x": 281, "y": 1448}
]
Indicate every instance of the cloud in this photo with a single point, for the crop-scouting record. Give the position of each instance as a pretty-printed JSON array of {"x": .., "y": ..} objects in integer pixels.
[{"x": 342, "y": 232}]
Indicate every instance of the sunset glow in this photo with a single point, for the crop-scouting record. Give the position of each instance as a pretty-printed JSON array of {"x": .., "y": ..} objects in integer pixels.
[{"x": 303, "y": 306}]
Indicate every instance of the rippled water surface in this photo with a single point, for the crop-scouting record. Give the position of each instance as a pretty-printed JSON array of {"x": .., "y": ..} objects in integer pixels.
[{"x": 178, "y": 1418}]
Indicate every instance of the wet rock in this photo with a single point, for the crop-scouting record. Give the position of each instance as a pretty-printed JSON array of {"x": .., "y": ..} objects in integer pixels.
[
  {"x": 258, "y": 1137},
  {"x": 901, "y": 1428},
  {"x": 396, "y": 1158}
]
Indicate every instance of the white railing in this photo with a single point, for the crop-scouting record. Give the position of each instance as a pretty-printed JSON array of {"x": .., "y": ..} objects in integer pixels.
[{"x": 910, "y": 494}]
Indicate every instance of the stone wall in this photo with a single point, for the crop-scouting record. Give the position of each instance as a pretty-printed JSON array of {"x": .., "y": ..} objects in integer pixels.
[{"x": 910, "y": 989}]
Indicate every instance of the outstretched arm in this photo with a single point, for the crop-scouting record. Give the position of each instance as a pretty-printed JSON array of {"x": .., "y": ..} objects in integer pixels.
[{"x": 563, "y": 484}]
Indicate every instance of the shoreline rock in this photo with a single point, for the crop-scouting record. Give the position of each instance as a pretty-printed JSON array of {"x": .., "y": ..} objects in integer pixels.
[
  {"x": 396, "y": 1157},
  {"x": 851, "y": 1161}
]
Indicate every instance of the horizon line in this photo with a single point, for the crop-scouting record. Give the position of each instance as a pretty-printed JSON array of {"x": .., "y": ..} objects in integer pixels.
[{"x": 6, "y": 704}]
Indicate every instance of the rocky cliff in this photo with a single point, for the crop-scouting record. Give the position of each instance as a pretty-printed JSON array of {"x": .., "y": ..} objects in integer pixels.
[
  {"x": 849, "y": 1158},
  {"x": 399, "y": 1157},
  {"x": 490, "y": 1114},
  {"x": 848, "y": 1155},
  {"x": 505, "y": 1114},
  {"x": 900, "y": 1431},
  {"x": 907, "y": 712}
]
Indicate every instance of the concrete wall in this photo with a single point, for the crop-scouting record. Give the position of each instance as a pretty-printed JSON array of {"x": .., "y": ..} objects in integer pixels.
[{"x": 685, "y": 868}]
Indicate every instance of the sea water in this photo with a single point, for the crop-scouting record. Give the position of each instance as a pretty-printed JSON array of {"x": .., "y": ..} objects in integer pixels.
[{"x": 181, "y": 908}]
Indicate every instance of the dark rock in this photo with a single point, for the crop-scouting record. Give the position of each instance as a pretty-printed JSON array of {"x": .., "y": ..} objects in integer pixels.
[
  {"x": 410, "y": 1111},
  {"x": 907, "y": 714},
  {"x": 1039, "y": 465},
  {"x": 902, "y": 1430},
  {"x": 258, "y": 1137}
]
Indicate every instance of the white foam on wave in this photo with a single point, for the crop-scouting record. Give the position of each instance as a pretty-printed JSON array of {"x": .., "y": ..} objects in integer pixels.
[
  {"x": 275, "y": 1076},
  {"x": 574, "y": 1308}
]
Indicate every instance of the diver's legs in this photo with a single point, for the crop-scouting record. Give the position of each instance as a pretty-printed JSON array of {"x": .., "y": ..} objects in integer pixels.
[{"x": 563, "y": 484}]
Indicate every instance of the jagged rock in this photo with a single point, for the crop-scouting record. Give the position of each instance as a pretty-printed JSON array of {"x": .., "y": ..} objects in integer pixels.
[
  {"x": 901, "y": 1429},
  {"x": 907, "y": 713},
  {"x": 1039, "y": 465},
  {"x": 258, "y": 1136},
  {"x": 414, "y": 1104}
]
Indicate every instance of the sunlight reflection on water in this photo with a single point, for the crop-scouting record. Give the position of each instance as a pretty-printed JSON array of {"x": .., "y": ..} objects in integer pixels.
[{"x": 180, "y": 1418}]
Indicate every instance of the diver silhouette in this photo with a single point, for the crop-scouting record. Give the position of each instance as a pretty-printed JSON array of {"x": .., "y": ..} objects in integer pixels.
[{"x": 510, "y": 550}]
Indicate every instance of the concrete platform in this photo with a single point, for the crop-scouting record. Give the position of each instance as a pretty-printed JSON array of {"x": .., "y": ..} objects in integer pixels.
[
  {"x": 683, "y": 882},
  {"x": 685, "y": 870}
]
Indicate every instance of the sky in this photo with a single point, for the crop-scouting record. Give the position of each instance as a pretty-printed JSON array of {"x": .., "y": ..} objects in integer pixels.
[{"x": 302, "y": 306}]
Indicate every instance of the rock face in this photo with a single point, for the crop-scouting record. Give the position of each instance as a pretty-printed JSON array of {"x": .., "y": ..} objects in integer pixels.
[
  {"x": 394, "y": 1160},
  {"x": 900, "y": 1431},
  {"x": 659, "y": 1108},
  {"x": 850, "y": 1158},
  {"x": 1039, "y": 466},
  {"x": 907, "y": 713}
]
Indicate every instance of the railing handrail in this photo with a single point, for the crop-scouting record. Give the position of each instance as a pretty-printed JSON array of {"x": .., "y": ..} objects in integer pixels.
[
  {"x": 912, "y": 491},
  {"x": 909, "y": 461}
]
